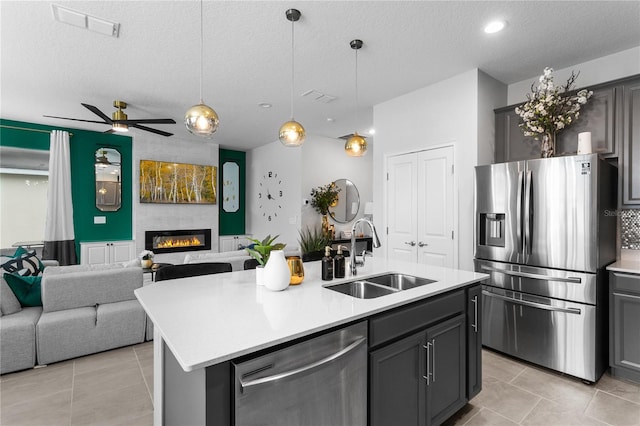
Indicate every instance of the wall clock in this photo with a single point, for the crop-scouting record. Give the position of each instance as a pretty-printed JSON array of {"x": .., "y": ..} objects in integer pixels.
[{"x": 270, "y": 196}]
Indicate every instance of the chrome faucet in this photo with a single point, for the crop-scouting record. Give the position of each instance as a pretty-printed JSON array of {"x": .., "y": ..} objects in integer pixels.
[{"x": 353, "y": 262}]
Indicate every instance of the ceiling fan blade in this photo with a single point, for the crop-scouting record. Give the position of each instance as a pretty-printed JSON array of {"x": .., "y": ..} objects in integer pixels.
[
  {"x": 109, "y": 131},
  {"x": 149, "y": 129},
  {"x": 147, "y": 121},
  {"x": 97, "y": 112},
  {"x": 75, "y": 119}
]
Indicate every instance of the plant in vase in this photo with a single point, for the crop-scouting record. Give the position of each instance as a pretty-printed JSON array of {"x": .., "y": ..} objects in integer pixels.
[
  {"x": 548, "y": 110},
  {"x": 313, "y": 241},
  {"x": 261, "y": 251},
  {"x": 146, "y": 258},
  {"x": 322, "y": 198}
]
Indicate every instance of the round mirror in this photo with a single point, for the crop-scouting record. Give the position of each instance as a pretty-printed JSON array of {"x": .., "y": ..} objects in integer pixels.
[
  {"x": 108, "y": 185},
  {"x": 346, "y": 209}
]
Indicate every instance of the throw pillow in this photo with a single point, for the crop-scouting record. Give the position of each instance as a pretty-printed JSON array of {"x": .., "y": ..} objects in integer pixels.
[
  {"x": 8, "y": 302},
  {"x": 23, "y": 262},
  {"x": 26, "y": 288}
]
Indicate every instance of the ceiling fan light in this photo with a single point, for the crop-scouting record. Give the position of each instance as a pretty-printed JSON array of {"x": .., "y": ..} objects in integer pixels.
[
  {"x": 119, "y": 127},
  {"x": 201, "y": 120},
  {"x": 356, "y": 146},
  {"x": 292, "y": 134}
]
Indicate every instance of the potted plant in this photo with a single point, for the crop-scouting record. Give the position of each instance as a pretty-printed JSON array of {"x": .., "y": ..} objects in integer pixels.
[
  {"x": 322, "y": 198},
  {"x": 146, "y": 258},
  {"x": 261, "y": 251},
  {"x": 312, "y": 242}
]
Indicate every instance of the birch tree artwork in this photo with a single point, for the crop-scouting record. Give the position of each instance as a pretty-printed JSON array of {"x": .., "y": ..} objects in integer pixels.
[{"x": 177, "y": 183}]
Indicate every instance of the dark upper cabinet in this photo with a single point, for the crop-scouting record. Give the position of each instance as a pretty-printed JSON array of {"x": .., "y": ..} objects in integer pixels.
[
  {"x": 630, "y": 169},
  {"x": 598, "y": 116}
]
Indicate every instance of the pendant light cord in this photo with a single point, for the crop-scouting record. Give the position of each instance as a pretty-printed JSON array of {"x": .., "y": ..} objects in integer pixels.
[
  {"x": 292, "y": 65},
  {"x": 356, "y": 107},
  {"x": 201, "y": 49}
]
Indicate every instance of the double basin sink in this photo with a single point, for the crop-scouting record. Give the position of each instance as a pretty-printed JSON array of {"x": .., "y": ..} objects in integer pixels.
[{"x": 369, "y": 288}]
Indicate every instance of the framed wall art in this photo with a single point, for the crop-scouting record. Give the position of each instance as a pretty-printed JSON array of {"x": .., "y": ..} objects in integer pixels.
[{"x": 177, "y": 183}]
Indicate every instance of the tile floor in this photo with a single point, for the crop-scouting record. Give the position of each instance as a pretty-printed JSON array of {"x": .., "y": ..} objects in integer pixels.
[{"x": 116, "y": 388}]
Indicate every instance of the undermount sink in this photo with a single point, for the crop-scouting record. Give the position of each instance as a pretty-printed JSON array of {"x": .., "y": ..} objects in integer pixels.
[
  {"x": 369, "y": 288},
  {"x": 362, "y": 289},
  {"x": 399, "y": 281}
]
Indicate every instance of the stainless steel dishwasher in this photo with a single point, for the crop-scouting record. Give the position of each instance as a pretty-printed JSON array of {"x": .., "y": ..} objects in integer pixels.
[{"x": 321, "y": 381}]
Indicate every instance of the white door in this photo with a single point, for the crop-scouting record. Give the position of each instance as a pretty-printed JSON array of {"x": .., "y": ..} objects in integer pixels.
[
  {"x": 402, "y": 207},
  {"x": 420, "y": 207},
  {"x": 435, "y": 207}
]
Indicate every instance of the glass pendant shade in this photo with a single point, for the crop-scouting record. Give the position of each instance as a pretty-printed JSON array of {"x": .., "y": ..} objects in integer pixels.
[
  {"x": 201, "y": 120},
  {"x": 292, "y": 133},
  {"x": 356, "y": 146}
]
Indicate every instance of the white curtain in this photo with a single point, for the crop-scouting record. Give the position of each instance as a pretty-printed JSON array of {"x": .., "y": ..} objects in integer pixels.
[{"x": 59, "y": 237}]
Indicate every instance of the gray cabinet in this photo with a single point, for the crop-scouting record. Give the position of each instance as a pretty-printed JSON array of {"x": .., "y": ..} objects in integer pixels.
[
  {"x": 624, "y": 333},
  {"x": 474, "y": 341},
  {"x": 631, "y": 145},
  {"x": 419, "y": 378},
  {"x": 598, "y": 116}
]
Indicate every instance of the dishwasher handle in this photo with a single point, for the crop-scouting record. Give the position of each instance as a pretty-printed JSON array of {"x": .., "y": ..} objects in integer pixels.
[{"x": 309, "y": 368}]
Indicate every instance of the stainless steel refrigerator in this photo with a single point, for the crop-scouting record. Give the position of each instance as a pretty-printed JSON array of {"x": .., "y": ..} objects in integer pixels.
[{"x": 545, "y": 230}]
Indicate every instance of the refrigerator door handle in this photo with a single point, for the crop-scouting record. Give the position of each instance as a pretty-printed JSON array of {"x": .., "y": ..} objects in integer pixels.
[
  {"x": 520, "y": 247},
  {"x": 527, "y": 214},
  {"x": 532, "y": 304},
  {"x": 530, "y": 275}
]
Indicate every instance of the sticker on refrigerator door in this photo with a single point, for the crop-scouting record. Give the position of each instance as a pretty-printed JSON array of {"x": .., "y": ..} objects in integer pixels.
[{"x": 585, "y": 168}]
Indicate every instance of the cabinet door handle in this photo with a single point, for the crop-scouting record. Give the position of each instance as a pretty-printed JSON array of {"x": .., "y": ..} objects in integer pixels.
[
  {"x": 426, "y": 347},
  {"x": 421, "y": 244},
  {"x": 433, "y": 361},
  {"x": 475, "y": 313},
  {"x": 410, "y": 243}
]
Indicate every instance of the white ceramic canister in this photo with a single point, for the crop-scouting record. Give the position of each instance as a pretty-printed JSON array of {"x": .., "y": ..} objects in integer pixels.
[{"x": 276, "y": 272}]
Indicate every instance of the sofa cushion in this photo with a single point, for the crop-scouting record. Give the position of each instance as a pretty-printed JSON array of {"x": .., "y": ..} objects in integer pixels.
[
  {"x": 22, "y": 262},
  {"x": 9, "y": 304},
  {"x": 18, "y": 337},
  {"x": 68, "y": 287},
  {"x": 26, "y": 289}
]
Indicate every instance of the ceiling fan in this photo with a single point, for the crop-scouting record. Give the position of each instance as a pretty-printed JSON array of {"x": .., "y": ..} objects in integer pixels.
[{"x": 119, "y": 121}]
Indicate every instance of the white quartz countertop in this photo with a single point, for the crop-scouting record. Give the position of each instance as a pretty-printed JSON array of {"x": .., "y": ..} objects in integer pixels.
[
  {"x": 631, "y": 266},
  {"x": 209, "y": 319}
]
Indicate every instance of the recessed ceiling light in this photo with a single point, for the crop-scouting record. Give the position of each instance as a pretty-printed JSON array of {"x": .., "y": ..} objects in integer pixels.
[
  {"x": 495, "y": 26},
  {"x": 264, "y": 105},
  {"x": 330, "y": 120}
]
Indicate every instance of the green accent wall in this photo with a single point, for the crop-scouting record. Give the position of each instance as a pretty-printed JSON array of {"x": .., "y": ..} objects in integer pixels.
[
  {"x": 233, "y": 223},
  {"x": 83, "y": 145}
]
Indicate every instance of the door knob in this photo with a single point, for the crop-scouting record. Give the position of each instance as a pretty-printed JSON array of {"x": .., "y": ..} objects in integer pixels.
[
  {"x": 410, "y": 243},
  {"x": 421, "y": 244}
]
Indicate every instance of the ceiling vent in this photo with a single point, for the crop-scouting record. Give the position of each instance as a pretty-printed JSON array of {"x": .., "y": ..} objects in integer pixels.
[
  {"x": 82, "y": 20},
  {"x": 318, "y": 96}
]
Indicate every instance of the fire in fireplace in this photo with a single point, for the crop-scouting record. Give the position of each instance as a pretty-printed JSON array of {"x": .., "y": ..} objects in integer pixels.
[{"x": 178, "y": 240}]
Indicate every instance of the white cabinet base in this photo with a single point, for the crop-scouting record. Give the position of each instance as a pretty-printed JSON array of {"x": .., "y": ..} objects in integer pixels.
[{"x": 106, "y": 252}]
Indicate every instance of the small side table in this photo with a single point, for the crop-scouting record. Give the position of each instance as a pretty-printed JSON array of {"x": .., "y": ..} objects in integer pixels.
[{"x": 153, "y": 269}]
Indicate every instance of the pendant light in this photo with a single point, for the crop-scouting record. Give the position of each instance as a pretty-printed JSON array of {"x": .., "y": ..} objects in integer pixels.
[
  {"x": 356, "y": 145},
  {"x": 292, "y": 133},
  {"x": 201, "y": 119}
]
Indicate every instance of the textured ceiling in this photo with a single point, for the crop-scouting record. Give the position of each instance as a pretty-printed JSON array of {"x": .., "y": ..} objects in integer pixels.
[{"x": 49, "y": 68}]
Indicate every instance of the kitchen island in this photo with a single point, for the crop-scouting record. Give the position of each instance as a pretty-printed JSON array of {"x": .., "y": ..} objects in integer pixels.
[{"x": 203, "y": 323}]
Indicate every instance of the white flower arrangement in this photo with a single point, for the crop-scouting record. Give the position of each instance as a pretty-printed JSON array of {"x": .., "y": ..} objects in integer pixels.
[
  {"x": 146, "y": 255},
  {"x": 547, "y": 111}
]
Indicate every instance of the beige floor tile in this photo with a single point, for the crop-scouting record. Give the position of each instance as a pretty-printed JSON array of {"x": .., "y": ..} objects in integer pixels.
[
  {"x": 144, "y": 420},
  {"x": 114, "y": 377},
  {"x": 550, "y": 413},
  {"x": 112, "y": 407},
  {"x": 147, "y": 373},
  {"x": 613, "y": 410},
  {"x": 618, "y": 387},
  {"x": 505, "y": 399},
  {"x": 488, "y": 417},
  {"x": 463, "y": 415},
  {"x": 64, "y": 367},
  {"x": 34, "y": 384},
  {"x": 104, "y": 359},
  {"x": 499, "y": 366},
  {"x": 50, "y": 410},
  {"x": 144, "y": 351},
  {"x": 568, "y": 391}
]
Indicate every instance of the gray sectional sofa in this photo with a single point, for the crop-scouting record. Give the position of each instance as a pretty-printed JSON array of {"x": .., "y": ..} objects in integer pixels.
[{"x": 86, "y": 309}]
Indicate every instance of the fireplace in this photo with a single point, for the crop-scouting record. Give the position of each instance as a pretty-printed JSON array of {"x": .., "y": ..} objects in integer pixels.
[{"x": 177, "y": 240}]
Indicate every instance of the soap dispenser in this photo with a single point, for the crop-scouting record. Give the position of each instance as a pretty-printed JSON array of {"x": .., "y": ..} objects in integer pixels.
[
  {"x": 327, "y": 265},
  {"x": 338, "y": 264}
]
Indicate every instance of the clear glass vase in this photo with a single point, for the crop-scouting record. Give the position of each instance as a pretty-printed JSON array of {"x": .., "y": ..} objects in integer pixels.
[{"x": 548, "y": 145}]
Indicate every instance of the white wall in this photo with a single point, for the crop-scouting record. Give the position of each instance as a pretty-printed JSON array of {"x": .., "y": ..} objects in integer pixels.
[
  {"x": 323, "y": 161},
  {"x": 23, "y": 208},
  {"x": 172, "y": 216},
  {"x": 287, "y": 163},
  {"x": 443, "y": 113},
  {"x": 600, "y": 70}
]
